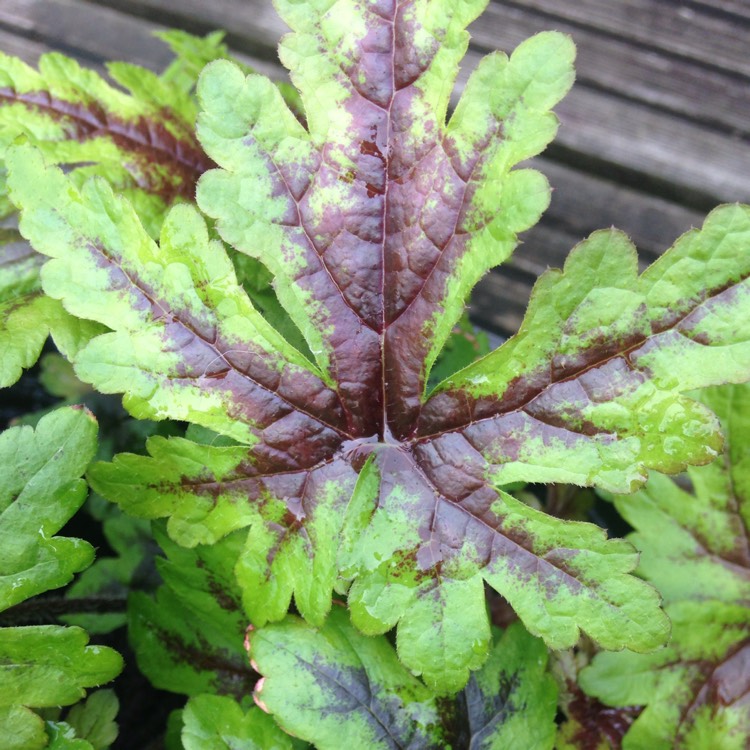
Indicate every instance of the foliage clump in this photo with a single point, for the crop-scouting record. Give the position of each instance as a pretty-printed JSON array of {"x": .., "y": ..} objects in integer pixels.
[{"x": 295, "y": 316}]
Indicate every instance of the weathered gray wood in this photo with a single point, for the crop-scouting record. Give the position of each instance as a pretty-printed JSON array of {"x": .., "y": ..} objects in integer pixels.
[
  {"x": 90, "y": 31},
  {"x": 731, "y": 7},
  {"x": 685, "y": 87},
  {"x": 499, "y": 301},
  {"x": 73, "y": 26},
  {"x": 684, "y": 29},
  {"x": 253, "y": 26},
  {"x": 582, "y": 203},
  {"x": 27, "y": 49}
]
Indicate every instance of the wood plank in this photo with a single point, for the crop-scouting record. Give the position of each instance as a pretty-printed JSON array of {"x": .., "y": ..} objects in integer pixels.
[
  {"x": 684, "y": 87},
  {"x": 613, "y": 131},
  {"x": 731, "y": 7},
  {"x": 91, "y": 31},
  {"x": 252, "y": 26},
  {"x": 499, "y": 301},
  {"x": 689, "y": 31},
  {"x": 27, "y": 50},
  {"x": 680, "y": 159},
  {"x": 582, "y": 203},
  {"x": 66, "y": 26}
]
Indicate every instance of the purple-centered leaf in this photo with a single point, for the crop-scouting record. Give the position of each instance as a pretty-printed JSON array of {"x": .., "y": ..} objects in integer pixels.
[
  {"x": 375, "y": 220},
  {"x": 142, "y": 141}
]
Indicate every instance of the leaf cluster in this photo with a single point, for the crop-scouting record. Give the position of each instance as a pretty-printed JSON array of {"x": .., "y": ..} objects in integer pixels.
[{"x": 278, "y": 276}]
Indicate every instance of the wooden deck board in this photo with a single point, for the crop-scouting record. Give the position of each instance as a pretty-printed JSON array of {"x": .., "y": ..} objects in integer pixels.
[{"x": 655, "y": 132}]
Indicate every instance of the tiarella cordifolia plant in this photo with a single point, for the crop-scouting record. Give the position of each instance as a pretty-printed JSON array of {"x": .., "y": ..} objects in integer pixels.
[{"x": 323, "y": 464}]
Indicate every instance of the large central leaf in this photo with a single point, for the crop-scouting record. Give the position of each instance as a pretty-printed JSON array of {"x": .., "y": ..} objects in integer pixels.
[
  {"x": 376, "y": 219},
  {"x": 379, "y": 219}
]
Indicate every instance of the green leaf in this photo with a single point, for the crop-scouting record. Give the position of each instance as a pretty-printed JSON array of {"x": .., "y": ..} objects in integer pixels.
[
  {"x": 189, "y": 637},
  {"x": 512, "y": 701},
  {"x": 63, "y": 737},
  {"x": 46, "y": 665},
  {"x": 214, "y": 722},
  {"x": 324, "y": 685},
  {"x": 192, "y": 54},
  {"x": 27, "y": 316},
  {"x": 22, "y": 729},
  {"x": 40, "y": 490},
  {"x": 695, "y": 549},
  {"x": 94, "y": 719}
]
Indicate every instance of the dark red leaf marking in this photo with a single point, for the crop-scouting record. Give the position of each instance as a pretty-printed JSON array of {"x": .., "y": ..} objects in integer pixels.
[{"x": 162, "y": 163}]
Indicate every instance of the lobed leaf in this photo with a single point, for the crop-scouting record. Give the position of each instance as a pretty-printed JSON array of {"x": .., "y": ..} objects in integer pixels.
[
  {"x": 214, "y": 722},
  {"x": 694, "y": 548},
  {"x": 324, "y": 684},
  {"x": 189, "y": 637},
  {"x": 141, "y": 139},
  {"x": 44, "y": 666},
  {"x": 28, "y": 317},
  {"x": 186, "y": 342},
  {"x": 375, "y": 218},
  {"x": 94, "y": 719},
  {"x": 39, "y": 492},
  {"x": 378, "y": 219},
  {"x": 512, "y": 701}
]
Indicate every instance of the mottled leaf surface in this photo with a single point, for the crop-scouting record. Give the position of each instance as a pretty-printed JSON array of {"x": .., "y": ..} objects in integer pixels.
[
  {"x": 694, "y": 548},
  {"x": 214, "y": 722},
  {"x": 189, "y": 637},
  {"x": 334, "y": 683},
  {"x": 375, "y": 218},
  {"x": 140, "y": 138},
  {"x": 512, "y": 701}
]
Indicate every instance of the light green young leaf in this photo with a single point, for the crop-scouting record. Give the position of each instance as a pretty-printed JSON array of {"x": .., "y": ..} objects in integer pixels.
[
  {"x": 215, "y": 722},
  {"x": 324, "y": 685},
  {"x": 27, "y": 316},
  {"x": 695, "y": 549},
  {"x": 192, "y": 54},
  {"x": 94, "y": 719}
]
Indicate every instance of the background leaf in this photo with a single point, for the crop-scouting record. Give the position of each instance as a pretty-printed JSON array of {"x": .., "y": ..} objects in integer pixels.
[
  {"x": 39, "y": 491},
  {"x": 213, "y": 722},
  {"x": 189, "y": 637},
  {"x": 695, "y": 549},
  {"x": 512, "y": 701},
  {"x": 324, "y": 684}
]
